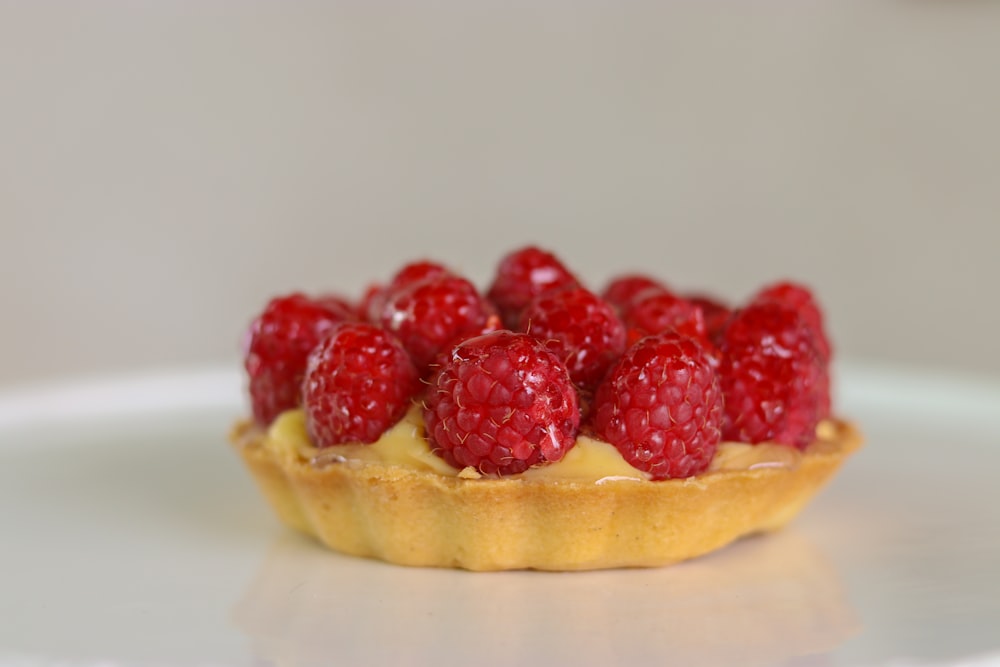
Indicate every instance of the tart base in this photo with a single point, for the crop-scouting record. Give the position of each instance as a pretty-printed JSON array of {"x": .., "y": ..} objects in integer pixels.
[{"x": 418, "y": 518}]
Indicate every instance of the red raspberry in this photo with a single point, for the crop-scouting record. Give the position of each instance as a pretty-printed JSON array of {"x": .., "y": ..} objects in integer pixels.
[
  {"x": 657, "y": 311},
  {"x": 431, "y": 313},
  {"x": 621, "y": 291},
  {"x": 661, "y": 406},
  {"x": 492, "y": 324},
  {"x": 358, "y": 383},
  {"x": 801, "y": 299},
  {"x": 372, "y": 302},
  {"x": 501, "y": 404},
  {"x": 633, "y": 336},
  {"x": 278, "y": 343},
  {"x": 715, "y": 313},
  {"x": 417, "y": 271},
  {"x": 772, "y": 377},
  {"x": 376, "y": 296},
  {"x": 339, "y": 305},
  {"x": 578, "y": 328},
  {"x": 521, "y": 276}
]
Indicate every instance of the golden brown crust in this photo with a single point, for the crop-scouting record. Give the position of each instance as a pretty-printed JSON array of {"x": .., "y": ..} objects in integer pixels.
[{"x": 424, "y": 519}]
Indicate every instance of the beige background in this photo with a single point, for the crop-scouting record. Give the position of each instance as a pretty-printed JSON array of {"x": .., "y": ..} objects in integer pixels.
[{"x": 167, "y": 166}]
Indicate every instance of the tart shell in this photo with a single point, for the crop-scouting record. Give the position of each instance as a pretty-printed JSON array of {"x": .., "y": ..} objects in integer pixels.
[{"x": 417, "y": 518}]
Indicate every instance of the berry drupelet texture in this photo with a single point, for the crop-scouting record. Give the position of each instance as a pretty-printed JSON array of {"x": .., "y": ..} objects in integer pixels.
[
  {"x": 773, "y": 377},
  {"x": 661, "y": 406},
  {"x": 523, "y": 275},
  {"x": 501, "y": 404},
  {"x": 358, "y": 382},
  {"x": 278, "y": 344},
  {"x": 579, "y": 328}
]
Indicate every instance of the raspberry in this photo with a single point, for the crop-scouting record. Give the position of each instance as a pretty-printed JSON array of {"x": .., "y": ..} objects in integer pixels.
[
  {"x": 415, "y": 272},
  {"x": 376, "y": 296},
  {"x": 501, "y": 404},
  {"x": 492, "y": 324},
  {"x": 339, "y": 305},
  {"x": 431, "y": 313},
  {"x": 801, "y": 299},
  {"x": 716, "y": 314},
  {"x": 621, "y": 291},
  {"x": 772, "y": 377},
  {"x": 521, "y": 276},
  {"x": 372, "y": 302},
  {"x": 633, "y": 336},
  {"x": 279, "y": 342},
  {"x": 656, "y": 311},
  {"x": 661, "y": 406},
  {"x": 578, "y": 328},
  {"x": 358, "y": 383}
]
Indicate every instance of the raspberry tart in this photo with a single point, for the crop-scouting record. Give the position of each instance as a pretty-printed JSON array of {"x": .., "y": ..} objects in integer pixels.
[{"x": 538, "y": 424}]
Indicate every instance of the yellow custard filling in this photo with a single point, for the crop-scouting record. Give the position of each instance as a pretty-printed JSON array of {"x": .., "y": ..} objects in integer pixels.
[{"x": 406, "y": 445}]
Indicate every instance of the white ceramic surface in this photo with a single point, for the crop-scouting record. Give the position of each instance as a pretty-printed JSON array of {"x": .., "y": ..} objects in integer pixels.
[{"x": 131, "y": 535}]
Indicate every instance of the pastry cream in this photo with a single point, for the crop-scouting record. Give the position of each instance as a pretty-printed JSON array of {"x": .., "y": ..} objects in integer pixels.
[{"x": 406, "y": 445}]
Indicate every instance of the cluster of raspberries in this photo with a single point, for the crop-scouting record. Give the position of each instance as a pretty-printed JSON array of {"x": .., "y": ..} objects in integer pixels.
[{"x": 507, "y": 380}]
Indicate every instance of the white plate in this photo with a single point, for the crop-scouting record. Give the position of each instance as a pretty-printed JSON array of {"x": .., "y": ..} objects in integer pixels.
[{"x": 132, "y": 535}]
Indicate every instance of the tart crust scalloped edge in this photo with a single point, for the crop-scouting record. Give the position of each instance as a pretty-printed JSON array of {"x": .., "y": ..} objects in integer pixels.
[{"x": 417, "y": 518}]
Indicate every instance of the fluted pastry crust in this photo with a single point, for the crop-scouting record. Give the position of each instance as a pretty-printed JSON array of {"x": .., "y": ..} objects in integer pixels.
[{"x": 411, "y": 517}]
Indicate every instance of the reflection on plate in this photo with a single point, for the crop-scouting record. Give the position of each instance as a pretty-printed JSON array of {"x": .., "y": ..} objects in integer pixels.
[{"x": 760, "y": 601}]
